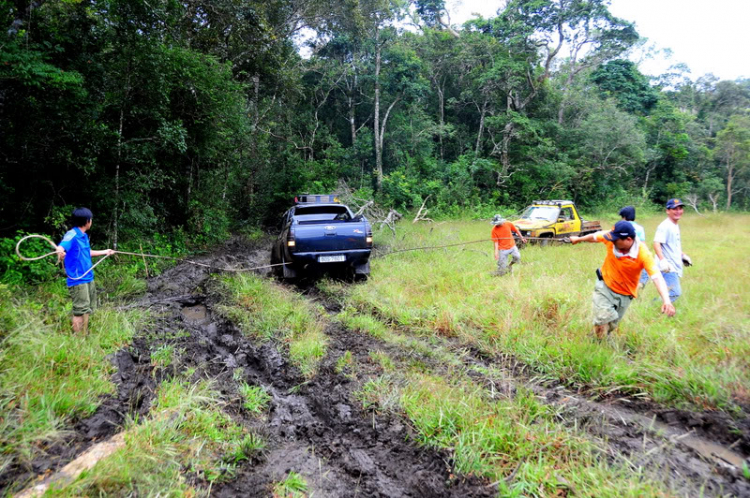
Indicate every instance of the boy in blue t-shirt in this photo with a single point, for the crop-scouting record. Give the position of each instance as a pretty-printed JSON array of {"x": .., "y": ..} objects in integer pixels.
[{"x": 76, "y": 251}]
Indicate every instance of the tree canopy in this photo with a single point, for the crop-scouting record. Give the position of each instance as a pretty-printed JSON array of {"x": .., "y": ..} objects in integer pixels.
[{"x": 204, "y": 116}]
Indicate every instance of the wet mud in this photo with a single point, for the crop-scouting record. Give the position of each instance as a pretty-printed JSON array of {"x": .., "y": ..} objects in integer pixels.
[{"x": 318, "y": 428}]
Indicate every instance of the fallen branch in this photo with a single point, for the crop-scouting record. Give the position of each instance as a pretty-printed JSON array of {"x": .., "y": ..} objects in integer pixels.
[{"x": 423, "y": 216}]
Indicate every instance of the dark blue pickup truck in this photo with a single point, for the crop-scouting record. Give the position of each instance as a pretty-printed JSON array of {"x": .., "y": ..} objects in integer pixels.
[{"x": 319, "y": 234}]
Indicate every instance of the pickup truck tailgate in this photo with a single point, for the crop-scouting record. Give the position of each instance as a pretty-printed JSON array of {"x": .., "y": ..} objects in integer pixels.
[{"x": 330, "y": 236}]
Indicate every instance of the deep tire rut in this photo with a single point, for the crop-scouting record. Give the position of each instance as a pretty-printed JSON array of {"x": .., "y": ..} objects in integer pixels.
[{"x": 692, "y": 453}]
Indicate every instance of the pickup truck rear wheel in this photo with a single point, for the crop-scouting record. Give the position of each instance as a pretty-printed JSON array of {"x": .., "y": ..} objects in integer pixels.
[{"x": 276, "y": 271}]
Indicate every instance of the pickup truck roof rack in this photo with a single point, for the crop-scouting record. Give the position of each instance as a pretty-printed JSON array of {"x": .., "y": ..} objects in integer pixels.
[
  {"x": 316, "y": 199},
  {"x": 553, "y": 203}
]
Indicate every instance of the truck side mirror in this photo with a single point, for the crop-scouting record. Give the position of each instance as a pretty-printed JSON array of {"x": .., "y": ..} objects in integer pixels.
[{"x": 561, "y": 220}]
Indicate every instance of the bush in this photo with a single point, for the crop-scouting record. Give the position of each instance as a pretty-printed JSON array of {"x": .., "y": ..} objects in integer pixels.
[{"x": 15, "y": 271}]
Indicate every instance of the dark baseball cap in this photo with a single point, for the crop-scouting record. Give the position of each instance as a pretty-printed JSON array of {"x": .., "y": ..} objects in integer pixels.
[
  {"x": 674, "y": 203},
  {"x": 622, "y": 230},
  {"x": 628, "y": 212}
]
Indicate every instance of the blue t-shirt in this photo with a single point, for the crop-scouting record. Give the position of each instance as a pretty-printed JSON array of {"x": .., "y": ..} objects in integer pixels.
[
  {"x": 640, "y": 232},
  {"x": 77, "y": 256}
]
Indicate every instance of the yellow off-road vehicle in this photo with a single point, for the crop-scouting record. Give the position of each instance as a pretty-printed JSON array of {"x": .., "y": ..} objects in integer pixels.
[{"x": 552, "y": 220}]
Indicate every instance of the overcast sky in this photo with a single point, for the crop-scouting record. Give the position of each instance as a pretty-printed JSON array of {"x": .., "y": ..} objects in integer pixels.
[{"x": 709, "y": 36}]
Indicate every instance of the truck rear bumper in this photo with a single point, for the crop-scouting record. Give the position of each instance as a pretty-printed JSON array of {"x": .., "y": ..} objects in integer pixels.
[{"x": 351, "y": 257}]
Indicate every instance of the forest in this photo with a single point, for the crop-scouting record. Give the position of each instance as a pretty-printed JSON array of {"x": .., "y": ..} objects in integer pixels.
[{"x": 201, "y": 118}]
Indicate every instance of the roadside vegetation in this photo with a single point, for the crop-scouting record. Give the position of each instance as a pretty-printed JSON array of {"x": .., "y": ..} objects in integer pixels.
[
  {"x": 50, "y": 376},
  {"x": 509, "y": 437},
  {"x": 540, "y": 315},
  {"x": 186, "y": 434}
]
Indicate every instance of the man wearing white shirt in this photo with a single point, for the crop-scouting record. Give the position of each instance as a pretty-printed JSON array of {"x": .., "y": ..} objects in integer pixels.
[{"x": 668, "y": 248}]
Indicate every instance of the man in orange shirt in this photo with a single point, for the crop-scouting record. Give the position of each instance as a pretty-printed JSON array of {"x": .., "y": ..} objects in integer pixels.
[
  {"x": 505, "y": 245},
  {"x": 619, "y": 275}
]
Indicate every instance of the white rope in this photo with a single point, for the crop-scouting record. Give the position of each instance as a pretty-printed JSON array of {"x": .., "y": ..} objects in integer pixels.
[{"x": 26, "y": 258}]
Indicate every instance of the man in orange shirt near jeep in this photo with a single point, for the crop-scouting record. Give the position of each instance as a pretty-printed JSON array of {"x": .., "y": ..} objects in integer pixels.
[
  {"x": 505, "y": 245},
  {"x": 618, "y": 278}
]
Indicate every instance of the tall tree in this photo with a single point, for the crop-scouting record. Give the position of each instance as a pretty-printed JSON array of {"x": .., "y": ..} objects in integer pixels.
[{"x": 733, "y": 144}]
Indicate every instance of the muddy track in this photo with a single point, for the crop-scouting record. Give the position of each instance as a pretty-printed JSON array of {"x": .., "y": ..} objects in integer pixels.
[
  {"x": 693, "y": 453},
  {"x": 318, "y": 428},
  {"x": 684, "y": 457}
]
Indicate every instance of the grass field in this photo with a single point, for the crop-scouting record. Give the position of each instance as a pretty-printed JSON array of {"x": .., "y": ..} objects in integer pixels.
[
  {"x": 431, "y": 313},
  {"x": 541, "y": 314},
  {"x": 50, "y": 376}
]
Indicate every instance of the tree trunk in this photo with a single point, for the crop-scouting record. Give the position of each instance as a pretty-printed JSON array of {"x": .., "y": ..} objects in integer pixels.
[
  {"x": 255, "y": 99},
  {"x": 117, "y": 177},
  {"x": 714, "y": 198},
  {"x": 730, "y": 180},
  {"x": 441, "y": 103},
  {"x": 481, "y": 128},
  {"x": 385, "y": 121},
  {"x": 564, "y": 103},
  {"x": 378, "y": 142},
  {"x": 352, "y": 120},
  {"x": 505, "y": 152}
]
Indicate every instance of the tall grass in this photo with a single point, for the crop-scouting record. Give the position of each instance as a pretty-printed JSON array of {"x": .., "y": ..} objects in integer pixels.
[
  {"x": 516, "y": 442},
  {"x": 541, "y": 314},
  {"x": 187, "y": 433},
  {"x": 50, "y": 376}
]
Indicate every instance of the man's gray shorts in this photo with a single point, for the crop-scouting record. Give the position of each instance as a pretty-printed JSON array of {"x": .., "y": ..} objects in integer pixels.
[
  {"x": 84, "y": 298},
  {"x": 502, "y": 261},
  {"x": 609, "y": 306}
]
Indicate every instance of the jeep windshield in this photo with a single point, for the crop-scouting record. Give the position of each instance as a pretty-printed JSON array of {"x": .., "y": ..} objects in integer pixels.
[
  {"x": 547, "y": 213},
  {"x": 312, "y": 214}
]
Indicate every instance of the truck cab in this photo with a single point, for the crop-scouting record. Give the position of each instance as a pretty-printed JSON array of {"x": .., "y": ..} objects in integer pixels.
[
  {"x": 319, "y": 234},
  {"x": 553, "y": 219}
]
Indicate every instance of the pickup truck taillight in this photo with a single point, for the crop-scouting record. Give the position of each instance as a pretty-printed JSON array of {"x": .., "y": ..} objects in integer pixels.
[
  {"x": 290, "y": 240},
  {"x": 368, "y": 238}
]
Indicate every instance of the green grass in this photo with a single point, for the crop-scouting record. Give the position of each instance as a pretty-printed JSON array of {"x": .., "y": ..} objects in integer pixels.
[
  {"x": 187, "y": 433},
  {"x": 164, "y": 355},
  {"x": 345, "y": 362},
  {"x": 255, "y": 398},
  {"x": 515, "y": 442},
  {"x": 542, "y": 313},
  {"x": 50, "y": 376},
  {"x": 519, "y": 437},
  {"x": 294, "y": 486},
  {"x": 265, "y": 310},
  {"x": 249, "y": 446}
]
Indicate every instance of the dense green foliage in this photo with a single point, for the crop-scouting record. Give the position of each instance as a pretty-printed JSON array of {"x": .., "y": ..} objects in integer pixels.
[{"x": 204, "y": 117}]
